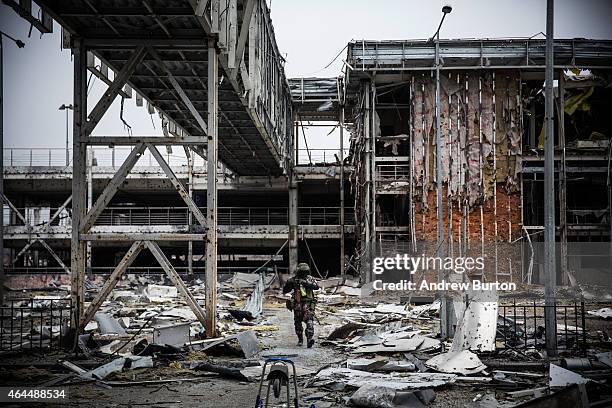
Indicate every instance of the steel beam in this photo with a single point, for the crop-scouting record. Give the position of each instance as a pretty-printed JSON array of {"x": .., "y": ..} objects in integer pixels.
[
  {"x": 211, "y": 191},
  {"x": 27, "y": 15},
  {"x": 244, "y": 31},
  {"x": 57, "y": 213},
  {"x": 16, "y": 211},
  {"x": 79, "y": 162},
  {"x": 111, "y": 282},
  {"x": 113, "y": 90},
  {"x": 55, "y": 256},
  {"x": 179, "y": 90},
  {"x": 176, "y": 279},
  {"x": 154, "y": 140},
  {"x": 201, "y": 7},
  {"x": 23, "y": 251},
  {"x": 190, "y": 159},
  {"x": 112, "y": 187},
  {"x": 293, "y": 210},
  {"x": 193, "y": 208},
  {"x": 116, "y": 43}
]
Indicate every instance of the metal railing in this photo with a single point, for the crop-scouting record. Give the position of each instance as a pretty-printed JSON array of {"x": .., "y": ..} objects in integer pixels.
[
  {"x": 392, "y": 172},
  {"x": 522, "y": 326},
  {"x": 393, "y": 243},
  {"x": 318, "y": 157},
  {"x": 136, "y": 270},
  {"x": 100, "y": 156},
  {"x": 149, "y": 216},
  {"x": 324, "y": 216},
  {"x": 34, "y": 323}
]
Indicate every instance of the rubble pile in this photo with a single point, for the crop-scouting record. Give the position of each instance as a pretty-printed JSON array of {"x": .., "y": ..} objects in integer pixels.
[{"x": 372, "y": 350}]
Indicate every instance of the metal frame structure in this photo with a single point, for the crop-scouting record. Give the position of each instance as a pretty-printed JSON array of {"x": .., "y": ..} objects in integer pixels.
[
  {"x": 183, "y": 57},
  {"x": 461, "y": 54},
  {"x": 315, "y": 100}
]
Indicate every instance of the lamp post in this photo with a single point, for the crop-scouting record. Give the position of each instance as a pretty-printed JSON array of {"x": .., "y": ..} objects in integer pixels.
[
  {"x": 550, "y": 271},
  {"x": 66, "y": 108},
  {"x": 444, "y": 326},
  {"x": 19, "y": 44}
]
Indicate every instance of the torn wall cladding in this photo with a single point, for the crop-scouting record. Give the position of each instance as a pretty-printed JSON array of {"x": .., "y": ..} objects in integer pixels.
[
  {"x": 481, "y": 130},
  {"x": 480, "y": 134}
]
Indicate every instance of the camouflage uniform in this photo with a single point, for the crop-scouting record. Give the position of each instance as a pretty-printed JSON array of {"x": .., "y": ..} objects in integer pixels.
[{"x": 302, "y": 287}]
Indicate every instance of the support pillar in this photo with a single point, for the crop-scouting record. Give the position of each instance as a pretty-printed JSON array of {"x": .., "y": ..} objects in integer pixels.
[
  {"x": 444, "y": 317},
  {"x": 373, "y": 135},
  {"x": 2, "y": 273},
  {"x": 565, "y": 274},
  {"x": 550, "y": 272},
  {"x": 78, "y": 249},
  {"x": 211, "y": 192},
  {"x": 293, "y": 212},
  {"x": 90, "y": 159},
  {"x": 190, "y": 215},
  {"x": 342, "y": 221},
  {"x": 365, "y": 263}
]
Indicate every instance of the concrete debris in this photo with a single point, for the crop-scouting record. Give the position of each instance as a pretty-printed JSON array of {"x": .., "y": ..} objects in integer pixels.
[
  {"x": 560, "y": 377},
  {"x": 380, "y": 396},
  {"x": 605, "y": 358},
  {"x": 604, "y": 313},
  {"x": 161, "y": 294},
  {"x": 381, "y": 364},
  {"x": 172, "y": 335},
  {"x": 117, "y": 365},
  {"x": 108, "y": 324},
  {"x": 403, "y": 381},
  {"x": 574, "y": 396},
  {"x": 416, "y": 342},
  {"x": 349, "y": 291},
  {"x": 462, "y": 362},
  {"x": 247, "y": 341},
  {"x": 374, "y": 352},
  {"x": 345, "y": 331},
  {"x": 428, "y": 309}
]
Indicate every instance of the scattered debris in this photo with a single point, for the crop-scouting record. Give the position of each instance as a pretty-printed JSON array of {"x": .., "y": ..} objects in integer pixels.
[
  {"x": 357, "y": 378},
  {"x": 560, "y": 377},
  {"x": 172, "y": 335},
  {"x": 462, "y": 362}
]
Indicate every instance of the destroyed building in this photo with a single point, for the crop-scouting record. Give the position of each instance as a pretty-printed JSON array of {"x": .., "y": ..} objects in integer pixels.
[{"x": 172, "y": 248}]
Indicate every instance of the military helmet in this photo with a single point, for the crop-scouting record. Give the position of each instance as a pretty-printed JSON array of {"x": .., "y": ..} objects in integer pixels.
[{"x": 303, "y": 269}]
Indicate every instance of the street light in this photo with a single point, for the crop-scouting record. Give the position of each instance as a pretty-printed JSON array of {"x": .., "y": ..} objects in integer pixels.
[
  {"x": 67, "y": 108},
  {"x": 444, "y": 323},
  {"x": 19, "y": 44}
]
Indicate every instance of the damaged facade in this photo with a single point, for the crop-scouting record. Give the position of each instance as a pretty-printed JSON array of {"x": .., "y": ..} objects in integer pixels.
[{"x": 491, "y": 115}]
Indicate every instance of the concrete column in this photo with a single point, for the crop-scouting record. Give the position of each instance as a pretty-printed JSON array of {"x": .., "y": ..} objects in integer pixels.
[
  {"x": 90, "y": 158},
  {"x": 365, "y": 263},
  {"x": 293, "y": 214},
  {"x": 190, "y": 215},
  {"x": 211, "y": 192},
  {"x": 562, "y": 182},
  {"x": 79, "y": 185}
]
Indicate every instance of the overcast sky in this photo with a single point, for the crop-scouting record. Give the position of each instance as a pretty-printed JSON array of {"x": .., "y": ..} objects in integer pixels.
[{"x": 38, "y": 78}]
